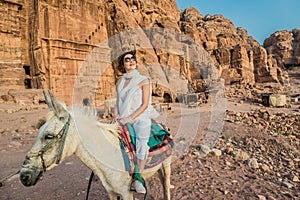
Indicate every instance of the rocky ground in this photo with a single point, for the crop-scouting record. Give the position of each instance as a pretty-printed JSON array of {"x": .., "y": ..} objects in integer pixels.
[{"x": 256, "y": 156}]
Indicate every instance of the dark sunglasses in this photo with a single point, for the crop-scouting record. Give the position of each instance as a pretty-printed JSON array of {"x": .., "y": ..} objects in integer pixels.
[{"x": 133, "y": 58}]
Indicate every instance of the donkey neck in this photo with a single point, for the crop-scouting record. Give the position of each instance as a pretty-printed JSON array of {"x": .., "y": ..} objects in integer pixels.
[{"x": 97, "y": 145}]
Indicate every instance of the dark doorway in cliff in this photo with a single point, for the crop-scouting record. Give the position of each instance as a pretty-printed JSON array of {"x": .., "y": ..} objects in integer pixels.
[
  {"x": 167, "y": 98},
  {"x": 27, "y": 69},
  {"x": 27, "y": 80}
]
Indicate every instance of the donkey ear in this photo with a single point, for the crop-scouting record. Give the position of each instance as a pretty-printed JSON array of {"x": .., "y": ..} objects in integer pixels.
[
  {"x": 59, "y": 109},
  {"x": 48, "y": 101}
]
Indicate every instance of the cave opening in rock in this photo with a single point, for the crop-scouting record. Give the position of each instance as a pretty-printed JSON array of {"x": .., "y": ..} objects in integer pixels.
[
  {"x": 167, "y": 98},
  {"x": 27, "y": 80}
]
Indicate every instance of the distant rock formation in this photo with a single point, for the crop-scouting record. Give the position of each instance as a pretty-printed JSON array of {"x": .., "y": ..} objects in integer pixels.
[
  {"x": 50, "y": 44},
  {"x": 283, "y": 47},
  {"x": 239, "y": 57}
]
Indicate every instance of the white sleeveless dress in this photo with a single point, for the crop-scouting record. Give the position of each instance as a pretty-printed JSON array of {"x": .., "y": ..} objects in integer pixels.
[{"x": 141, "y": 124}]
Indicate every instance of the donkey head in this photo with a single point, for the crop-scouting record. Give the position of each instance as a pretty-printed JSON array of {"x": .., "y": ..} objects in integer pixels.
[{"x": 48, "y": 149}]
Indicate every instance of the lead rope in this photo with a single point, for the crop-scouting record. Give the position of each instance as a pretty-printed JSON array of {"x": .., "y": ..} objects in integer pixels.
[
  {"x": 8, "y": 177},
  {"x": 89, "y": 186}
]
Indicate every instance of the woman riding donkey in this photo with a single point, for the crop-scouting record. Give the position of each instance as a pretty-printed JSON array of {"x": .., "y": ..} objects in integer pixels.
[{"x": 134, "y": 106}]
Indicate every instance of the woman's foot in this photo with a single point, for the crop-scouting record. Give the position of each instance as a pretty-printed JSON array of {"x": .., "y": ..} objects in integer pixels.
[{"x": 138, "y": 186}]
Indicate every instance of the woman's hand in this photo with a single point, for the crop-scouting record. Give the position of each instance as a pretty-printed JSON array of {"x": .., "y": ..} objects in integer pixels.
[
  {"x": 125, "y": 120},
  {"x": 115, "y": 118}
]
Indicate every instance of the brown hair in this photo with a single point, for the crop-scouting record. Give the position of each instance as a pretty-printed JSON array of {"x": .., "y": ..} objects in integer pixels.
[{"x": 121, "y": 60}]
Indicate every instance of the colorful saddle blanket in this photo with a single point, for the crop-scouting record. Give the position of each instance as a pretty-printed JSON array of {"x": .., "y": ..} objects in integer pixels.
[{"x": 160, "y": 143}]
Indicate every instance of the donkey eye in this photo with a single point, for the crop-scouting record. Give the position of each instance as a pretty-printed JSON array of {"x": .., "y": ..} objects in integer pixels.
[{"x": 49, "y": 136}]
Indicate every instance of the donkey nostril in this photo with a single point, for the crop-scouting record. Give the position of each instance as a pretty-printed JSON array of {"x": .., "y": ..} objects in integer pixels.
[{"x": 25, "y": 177}]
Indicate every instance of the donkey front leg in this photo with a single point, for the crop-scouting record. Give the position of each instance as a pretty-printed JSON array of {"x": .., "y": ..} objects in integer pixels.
[
  {"x": 127, "y": 196},
  {"x": 112, "y": 195}
]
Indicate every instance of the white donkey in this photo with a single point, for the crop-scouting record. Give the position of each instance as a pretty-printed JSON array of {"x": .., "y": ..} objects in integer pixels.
[{"x": 96, "y": 144}]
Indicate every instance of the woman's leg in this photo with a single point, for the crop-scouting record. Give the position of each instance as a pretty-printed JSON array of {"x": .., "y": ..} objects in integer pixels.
[
  {"x": 141, "y": 165},
  {"x": 142, "y": 129}
]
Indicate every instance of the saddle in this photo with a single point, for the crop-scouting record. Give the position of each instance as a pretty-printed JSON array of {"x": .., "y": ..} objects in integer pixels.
[{"x": 160, "y": 143}]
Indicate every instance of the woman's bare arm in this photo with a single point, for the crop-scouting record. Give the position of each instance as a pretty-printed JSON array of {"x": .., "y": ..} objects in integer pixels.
[{"x": 145, "y": 86}]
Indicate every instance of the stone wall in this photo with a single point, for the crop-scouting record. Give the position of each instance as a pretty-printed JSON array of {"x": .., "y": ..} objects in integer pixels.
[
  {"x": 12, "y": 73},
  {"x": 61, "y": 37},
  {"x": 65, "y": 35}
]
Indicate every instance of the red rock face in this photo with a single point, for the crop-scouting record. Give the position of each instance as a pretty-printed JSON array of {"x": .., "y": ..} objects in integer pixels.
[
  {"x": 284, "y": 47},
  {"x": 284, "y": 50},
  {"x": 239, "y": 57},
  {"x": 49, "y": 44}
]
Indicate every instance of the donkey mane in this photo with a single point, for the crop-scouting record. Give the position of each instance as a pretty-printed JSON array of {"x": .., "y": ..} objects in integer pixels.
[{"x": 90, "y": 113}]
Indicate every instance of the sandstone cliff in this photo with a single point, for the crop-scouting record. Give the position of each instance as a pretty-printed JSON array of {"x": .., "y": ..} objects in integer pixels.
[
  {"x": 56, "y": 44},
  {"x": 238, "y": 56},
  {"x": 283, "y": 47}
]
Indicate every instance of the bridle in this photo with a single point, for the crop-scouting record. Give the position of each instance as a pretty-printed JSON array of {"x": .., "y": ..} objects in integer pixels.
[{"x": 60, "y": 138}]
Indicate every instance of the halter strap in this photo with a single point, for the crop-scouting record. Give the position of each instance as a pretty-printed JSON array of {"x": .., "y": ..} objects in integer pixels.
[{"x": 60, "y": 138}]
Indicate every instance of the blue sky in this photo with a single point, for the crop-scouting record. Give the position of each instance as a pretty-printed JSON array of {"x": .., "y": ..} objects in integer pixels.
[{"x": 260, "y": 18}]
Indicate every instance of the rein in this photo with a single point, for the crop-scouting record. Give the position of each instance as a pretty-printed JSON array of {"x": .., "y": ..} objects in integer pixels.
[{"x": 60, "y": 138}]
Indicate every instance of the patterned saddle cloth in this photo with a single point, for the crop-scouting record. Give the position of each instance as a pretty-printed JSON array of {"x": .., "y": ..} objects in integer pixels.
[{"x": 160, "y": 143}]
